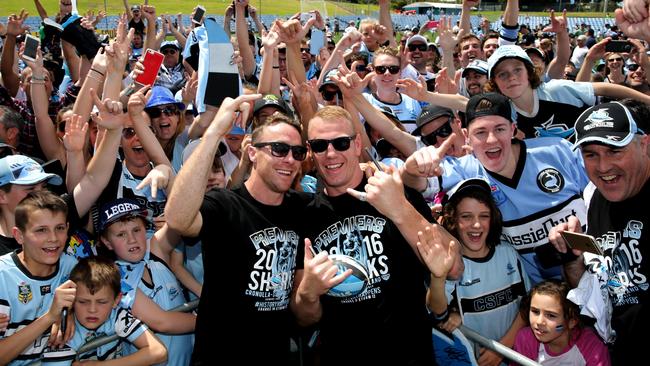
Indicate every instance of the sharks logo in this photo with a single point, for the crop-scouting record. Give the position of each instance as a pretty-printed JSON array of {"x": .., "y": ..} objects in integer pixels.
[
  {"x": 548, "y": 129},
  {"x": 550, "y": 180}
]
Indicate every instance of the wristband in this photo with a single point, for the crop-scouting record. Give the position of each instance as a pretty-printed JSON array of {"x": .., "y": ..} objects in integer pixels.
[
  {"x": 97, "y": 71},
  {"x": 38, "y": 78},
  {"x": 441, "y": 318}
]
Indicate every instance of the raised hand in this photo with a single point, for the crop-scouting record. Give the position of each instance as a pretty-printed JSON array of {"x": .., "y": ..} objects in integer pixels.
[
  {"x": 384, "y": 190},
  {"x": 15, "y": 25},
  {"x": 557, "y": 25},
  {"x": 636, "y": 10},
  {"x": 444, "y": 84},
  {"x": 110, "y": 116},
  {"x": 350, "y": 39},
  {"x": 270, "y": 40},
  {"x": 447, "y": 39},
  {"x": 35, "y": 64},
  {"x": 75, "y": 134},
  {"x": 121, "y": 47},
  {"x": 349, "y": 82},
  {"x": 426, "y": 162},
  {"x": 414, "y": 89},
  {"x": 232, "y": 111},
  {"x": 158, "y": 178},
  {"x": 137, "y": 102},
  {"x": 292, "y": 31},
  {"x": 319, "y": 274},
  {"x": 640, "y": 29},
  {"x": 438, "y": 253}
]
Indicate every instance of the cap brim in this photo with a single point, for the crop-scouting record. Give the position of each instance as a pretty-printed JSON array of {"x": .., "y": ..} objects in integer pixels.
[
  {"x": 623, "y": 140},
  {"x": 38, "y": 178}
]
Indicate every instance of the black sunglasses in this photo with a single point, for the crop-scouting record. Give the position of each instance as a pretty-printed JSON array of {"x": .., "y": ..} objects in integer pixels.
[
  {"x": 361, "y": 68},
  {"x": 304, "y": 50},
  {"x": 444, "y": 131},
  {"x": 340, "y": 144},
  {"x": 421, "y": 47},
  {"x": 329, "y": 95},
  {"x": 633, "y": 67},
  {"x": 129, "y": 132},
  {"x": 169, "y": 110},
  {"x": 615, "y": 59},
  {"x": 281, "y": 149},
  {"x": 393, "y": 69}
]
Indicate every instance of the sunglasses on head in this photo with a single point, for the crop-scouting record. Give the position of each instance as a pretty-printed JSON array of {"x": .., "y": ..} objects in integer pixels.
[
  {"x": 443, "y": 131},
  {"x": 281, "y": 149},
  {"x": 329, "y": 95},
  {"x": 169, "y": 111},
  {"x": 421, "y": 47},
  {"x": 393, "y": 69},
  {"x": 616, "y": 59},
  {"x": 340, "y": 144}
]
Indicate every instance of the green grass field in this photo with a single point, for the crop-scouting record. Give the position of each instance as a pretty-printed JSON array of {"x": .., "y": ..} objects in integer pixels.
[{"x": 280, "y": 7}]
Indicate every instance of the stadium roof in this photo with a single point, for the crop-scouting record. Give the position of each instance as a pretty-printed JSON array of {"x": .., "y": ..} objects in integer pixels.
[{"x": 432, "y": 5}]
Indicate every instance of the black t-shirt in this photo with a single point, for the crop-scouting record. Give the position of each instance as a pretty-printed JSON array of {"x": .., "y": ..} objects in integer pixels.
[
  {"x": 623, "y": 232},
  {"x": 139, "y": 26},
  {"x": 250, "y": 253},
  {"x": 7, "y": 245},
  {"x": 386, "y": 323}
]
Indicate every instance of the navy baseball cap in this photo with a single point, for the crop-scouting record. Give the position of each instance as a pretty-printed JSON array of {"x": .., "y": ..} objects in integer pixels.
[
  {"x": 607, "y": 123},
  {"x": 117, "y": 209}
]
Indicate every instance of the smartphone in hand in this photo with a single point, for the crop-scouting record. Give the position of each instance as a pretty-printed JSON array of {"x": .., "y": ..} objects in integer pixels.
[
  {"x": 618, "y": 46},
  {"x": 198, "y": 14},
  {"x": 584, "y": 242},
  {"x": 152, "y": 62},
  {"x": 31, "y": 47}
]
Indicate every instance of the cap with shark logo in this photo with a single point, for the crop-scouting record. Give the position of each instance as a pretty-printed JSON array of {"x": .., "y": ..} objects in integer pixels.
[{"x": 607, "y": 123}]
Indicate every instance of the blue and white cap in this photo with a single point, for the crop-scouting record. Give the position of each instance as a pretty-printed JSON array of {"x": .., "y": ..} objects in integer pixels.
[
  {"x": 21, "y": 170},
  {"x": 607, "y": 123},
  {"x": 504, "y": 52},
  {"x": 479, "y": 66}
]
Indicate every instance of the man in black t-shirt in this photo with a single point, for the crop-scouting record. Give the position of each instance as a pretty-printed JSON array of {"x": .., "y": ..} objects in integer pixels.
[
  {"x": 614, "y": 149},
  {"x": 250, "y": 241},
  {"x": 387, "y": 322}
]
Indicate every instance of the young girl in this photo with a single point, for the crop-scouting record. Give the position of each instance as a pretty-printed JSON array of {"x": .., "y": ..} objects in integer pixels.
[
  {"x": 555, "y": 336},
  {"x": 486, "y": 296}
]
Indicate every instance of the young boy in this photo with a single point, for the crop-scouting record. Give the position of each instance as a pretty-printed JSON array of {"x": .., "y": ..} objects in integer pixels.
[
  {"x": 149, "y": 287},
  {"x": 97, "y": 315},
  {"x": 34, "y": 285}
]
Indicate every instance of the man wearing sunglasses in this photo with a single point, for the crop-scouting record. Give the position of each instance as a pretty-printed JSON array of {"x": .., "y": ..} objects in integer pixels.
[
  {"x": 417, "y": 57},
  {"x": 249, "y": 235},
  {"x": 329, "y": 91},
  {"x": 389, "y": 310}
]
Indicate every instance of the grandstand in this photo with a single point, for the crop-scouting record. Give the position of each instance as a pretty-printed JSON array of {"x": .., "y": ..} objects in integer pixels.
[{"x": 400, "y": 21}]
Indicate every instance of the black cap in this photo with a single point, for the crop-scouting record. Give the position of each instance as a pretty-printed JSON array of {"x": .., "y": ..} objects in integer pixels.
[
  {"x": 117, "y": 209},
  {"x": 428, "y": 114},
  {"x": 271, "y": 100},
  {"x": 472, "y": 184},
  {"x": 488, "y": 104},
  {"x": 607, "y": 123}
]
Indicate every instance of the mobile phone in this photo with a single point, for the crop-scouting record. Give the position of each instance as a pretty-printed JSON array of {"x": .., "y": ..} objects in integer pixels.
[
  {"x": 198, "y": 14},
  {"x": 152, "y": 62},
  {"x": 317, "y": 41},
  {"x": 31, "y": 47},
  {"x": 584, "y": 242},
  {"x": 549, "y": 257},
  {"x": 245, "y": 10},
  {"x": 431, "y": 85},
  {"x": 618, "y": 45}
]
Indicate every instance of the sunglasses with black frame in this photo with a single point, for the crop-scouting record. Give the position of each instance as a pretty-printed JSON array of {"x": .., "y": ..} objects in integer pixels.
[
  {"x": 421, "y": 47},
  {"x": 340, "y": 144},
  {"x": 443, "y": 131},
  {"x": 393, "y": 69},
  {"x": 329, "y": 95},
  {"x": 168, "y": 110},
  {"x": 281, "y": 150}
]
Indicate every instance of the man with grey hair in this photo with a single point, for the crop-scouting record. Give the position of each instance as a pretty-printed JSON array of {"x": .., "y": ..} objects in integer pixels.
[
  {"x": 11, "y": 124},
  {"x": 580, "y": 52},
  {"x": 614, "y": 150}
]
